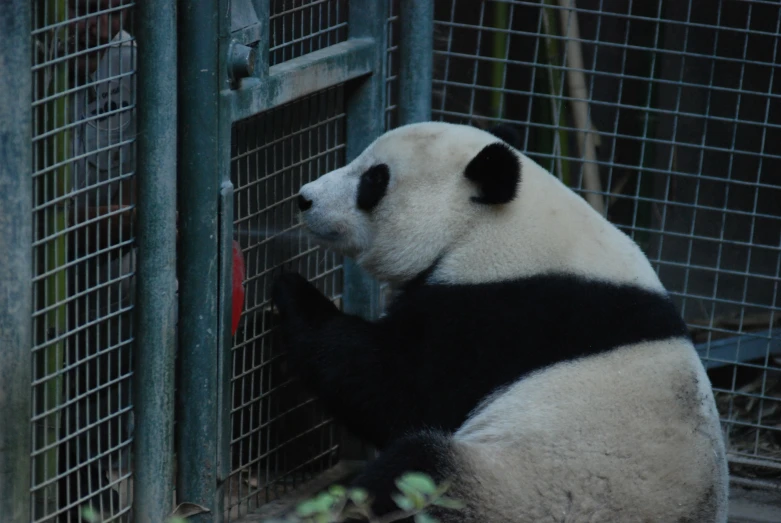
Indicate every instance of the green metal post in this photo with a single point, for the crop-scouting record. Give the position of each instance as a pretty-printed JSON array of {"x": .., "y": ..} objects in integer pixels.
[
  {"x": 155, "y": 308},
  {"x": 224, "y": 367},
  {"x": 262, "y": 60},
  {"x": 365, "y": 98},
  {"x": 203, "y": 39},
  {"x": 365, "y": 122},
  {"x": 16, "y": 259},
  {"x": 416, "y": 24}
]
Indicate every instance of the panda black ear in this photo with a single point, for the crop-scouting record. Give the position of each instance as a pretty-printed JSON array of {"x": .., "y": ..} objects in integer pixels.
[
  {"x": 507, "y": 133},
  {"x": 496, "y": 170}
]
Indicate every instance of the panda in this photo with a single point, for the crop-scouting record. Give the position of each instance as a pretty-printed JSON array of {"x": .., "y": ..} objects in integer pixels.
[{"x": 531, "y": 357}]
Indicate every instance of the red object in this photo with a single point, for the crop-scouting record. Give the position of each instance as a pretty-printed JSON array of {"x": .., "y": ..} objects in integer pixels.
[{"x": 238, "y": 286}]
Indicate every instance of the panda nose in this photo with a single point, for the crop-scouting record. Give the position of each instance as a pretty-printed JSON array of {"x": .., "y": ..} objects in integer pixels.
[{"x": 303, "y": 203}]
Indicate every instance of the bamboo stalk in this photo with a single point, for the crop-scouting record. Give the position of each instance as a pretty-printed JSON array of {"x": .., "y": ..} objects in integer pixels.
[
  {"x": 555, "y": 88},
  {"x": 576, "y": 82},
  {"x": 499, "y": 52},
  {"x": 55, "y": 252}
]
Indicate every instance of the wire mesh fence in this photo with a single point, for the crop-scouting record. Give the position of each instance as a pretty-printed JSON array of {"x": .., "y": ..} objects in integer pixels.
[
  {"x": 281, "y": 437},
  {"x": 664, "y": 116},
  {"x": 299, "y": 27},
  {"x": 83, "y": 251},
  {"x": 392, "y": 65}
]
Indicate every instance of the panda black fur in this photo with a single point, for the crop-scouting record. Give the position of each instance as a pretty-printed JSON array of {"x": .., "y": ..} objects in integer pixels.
[{"x": 531, "y": 356}]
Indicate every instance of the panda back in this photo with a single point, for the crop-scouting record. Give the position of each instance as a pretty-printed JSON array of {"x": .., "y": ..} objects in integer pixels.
[
  {"x": 478, "y": 338},
  {"x": 547, "y": 229}
]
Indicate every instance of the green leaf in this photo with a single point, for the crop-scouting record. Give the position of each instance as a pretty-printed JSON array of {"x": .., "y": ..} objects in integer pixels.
[
  {"x": 89, "y": 514},
  {"x": 307, "y": 508},
  {"x": 404, "y": 503},
  {"x": 416, "y": 482},
  {"x": 358, "y": 496},
  {"x": 442, "y": 488},
  {"x": 337, "y": 491},
  {"x": 422, "y": 517},
  {"x": 456, "y": 504},
  {"x": 322, "y": 503}
]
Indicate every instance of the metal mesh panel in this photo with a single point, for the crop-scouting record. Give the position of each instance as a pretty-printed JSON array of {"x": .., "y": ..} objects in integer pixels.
[
  {"x": 392, "y": 65},
  {"x": 392, "y": 34},
  {"x": 83, "y": 144},
  {"x": 280, "y": 435},
  {"x": 666, "y": 115},
  {"x": 299, "y": 27}
]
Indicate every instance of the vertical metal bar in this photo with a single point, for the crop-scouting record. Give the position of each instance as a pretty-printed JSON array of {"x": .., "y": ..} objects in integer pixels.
[
  {"x": 203, "y": 28},
  {"x": 224, "y": 368},
  {"x": 365, "y": 122},
  {"x": 225, "y": 338},
  {"x": 224, "y": 355},
  {"x": 416, "y": 60},
  {"x": 16, "y": 259},
  {"x": 155, "y": 308},
  {"x": 262, "y": 56}
]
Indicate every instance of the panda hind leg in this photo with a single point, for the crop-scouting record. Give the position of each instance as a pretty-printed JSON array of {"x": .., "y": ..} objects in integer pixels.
[{"x": 426, "y": 451}]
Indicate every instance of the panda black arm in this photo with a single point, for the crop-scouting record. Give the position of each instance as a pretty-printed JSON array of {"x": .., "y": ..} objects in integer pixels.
[
  {"x": 348, "y": 362},
  {"x": 442, "y": 349}
]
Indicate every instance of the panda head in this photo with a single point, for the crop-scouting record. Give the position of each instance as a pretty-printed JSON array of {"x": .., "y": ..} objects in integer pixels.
[{"x": 411, "y": 196}]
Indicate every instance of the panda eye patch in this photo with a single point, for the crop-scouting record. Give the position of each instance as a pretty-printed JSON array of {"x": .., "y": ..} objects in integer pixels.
[{"x": 372, "y": 187}]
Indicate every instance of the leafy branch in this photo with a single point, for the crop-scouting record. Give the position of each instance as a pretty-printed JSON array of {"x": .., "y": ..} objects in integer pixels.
[{"x": 417, "y": 492}]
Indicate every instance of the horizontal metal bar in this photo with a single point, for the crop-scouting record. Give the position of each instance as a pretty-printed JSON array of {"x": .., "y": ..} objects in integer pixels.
[
  {"x": 737, "y": 349},
  {"x": 301, "y": 76},
  {"x": 756, "y": 462}
]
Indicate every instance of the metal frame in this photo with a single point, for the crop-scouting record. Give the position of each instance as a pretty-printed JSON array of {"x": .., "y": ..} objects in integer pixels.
[
  {"x": 416, "y": 61},
  {"x": 202, "y": 31},
  {"x": 222, "y": 58},
  {"x": 84, "y": 250},
  {"x": 212, "y": 61},
  {"x": 365, "y": 119},
  {"x": 156, "y": 271},
  {"x": 221, "y": 52},
  {"x": 16, "y": 260}
]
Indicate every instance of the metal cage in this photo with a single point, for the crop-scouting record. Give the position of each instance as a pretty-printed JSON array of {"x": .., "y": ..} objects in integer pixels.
[
  {"x": 147, "y": 139},
  {"x": 83, "y": 248},
  {"x": 280, "y": 436}
]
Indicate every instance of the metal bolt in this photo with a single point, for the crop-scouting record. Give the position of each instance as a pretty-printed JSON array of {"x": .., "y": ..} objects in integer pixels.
[{"x": 241, "y": 61}]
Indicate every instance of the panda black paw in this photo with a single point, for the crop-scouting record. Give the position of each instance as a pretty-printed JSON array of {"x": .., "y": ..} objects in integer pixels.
[{"x": 298, "y": 300}]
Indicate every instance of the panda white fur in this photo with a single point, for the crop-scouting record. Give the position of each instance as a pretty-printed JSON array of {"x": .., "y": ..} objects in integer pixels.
[{"x": 531, "y": 356}]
